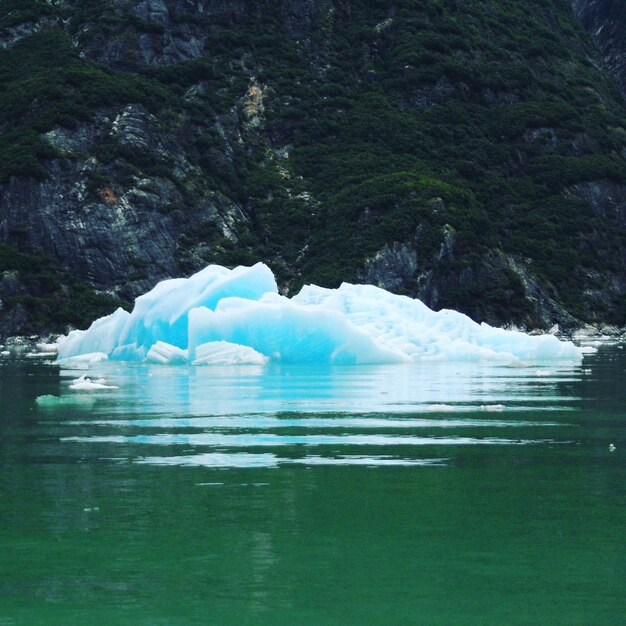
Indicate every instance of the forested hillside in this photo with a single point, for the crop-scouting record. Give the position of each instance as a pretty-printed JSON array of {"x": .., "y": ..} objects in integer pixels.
[{"x": 471, "y": 153}]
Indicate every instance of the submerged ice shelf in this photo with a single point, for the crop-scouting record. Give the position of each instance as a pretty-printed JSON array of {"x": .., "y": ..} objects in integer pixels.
[{"x": 236, "y": 316}]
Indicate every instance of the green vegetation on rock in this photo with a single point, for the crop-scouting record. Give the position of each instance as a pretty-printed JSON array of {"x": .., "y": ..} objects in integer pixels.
[
  {"x": 40, "y": 295},
  {"x": 480, "y": 135}
]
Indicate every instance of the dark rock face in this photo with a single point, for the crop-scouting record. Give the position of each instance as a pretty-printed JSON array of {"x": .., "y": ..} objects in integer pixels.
[
  {"x": 106, "y": 242},
  {"x": 172, "y": 32},
  {"x": 119, "y": 237},
  {"x": 392, "y": 267},
  {"x": 14, "y": 34},
  {"x": 607, "y": 198},
  {"x": 13, "y": 321},
  {"x": 606, "y": 22},
  {"x": 162, "y": 33}
]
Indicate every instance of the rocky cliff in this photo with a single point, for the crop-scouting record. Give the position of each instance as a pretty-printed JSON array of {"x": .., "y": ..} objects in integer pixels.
[
  {"x": 471, "y": 155},
  {"x": 605, "y": 20}
]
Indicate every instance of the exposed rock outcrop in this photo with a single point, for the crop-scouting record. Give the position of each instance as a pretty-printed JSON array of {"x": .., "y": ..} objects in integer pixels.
[
  {"x": 606, "y": 22},
  {"x": 121, "y": 235}
]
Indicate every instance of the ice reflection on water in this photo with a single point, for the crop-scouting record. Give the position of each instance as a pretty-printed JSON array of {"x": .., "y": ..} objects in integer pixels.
[
  {"x": 360, "y": 389},
  {"x": 221, "y": 414}
]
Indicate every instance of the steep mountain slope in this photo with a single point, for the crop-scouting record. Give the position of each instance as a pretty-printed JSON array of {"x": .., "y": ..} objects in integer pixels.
[
  {"x": 470, "y": 153},
  {"x": 606, "y": 22}
]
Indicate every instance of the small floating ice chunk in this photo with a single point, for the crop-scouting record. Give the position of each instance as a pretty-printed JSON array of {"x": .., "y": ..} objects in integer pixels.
[
  {"x": 48, "y": 347},
  {"x": 84, "y": 383},
  {"x": 588, "y": 349},
  {"x": 49, "y": 401},
  {"x": 166, "y": 354},
  {"x": 227, "y": 353}
]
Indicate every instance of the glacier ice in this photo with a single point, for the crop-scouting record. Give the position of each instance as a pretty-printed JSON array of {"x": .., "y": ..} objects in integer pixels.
[
  {"x": 227, "y": 353},
  {"x": 166, "y": 354},
  {"x": 222, "y": 316}
]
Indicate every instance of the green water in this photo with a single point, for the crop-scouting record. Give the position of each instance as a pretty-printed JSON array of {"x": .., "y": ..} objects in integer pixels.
[{"x": 435, "y": 494}]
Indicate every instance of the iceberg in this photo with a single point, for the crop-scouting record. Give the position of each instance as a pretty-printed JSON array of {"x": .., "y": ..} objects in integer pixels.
[{"x": 223, "y": 316}]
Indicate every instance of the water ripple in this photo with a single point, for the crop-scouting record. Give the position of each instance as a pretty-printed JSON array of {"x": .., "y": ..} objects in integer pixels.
[
  {"x": 254, "y": 422},
  {"x": 271, "y": 417},
  {"x": 245, "y": 460},
  {"x": 266, "y": 439}
]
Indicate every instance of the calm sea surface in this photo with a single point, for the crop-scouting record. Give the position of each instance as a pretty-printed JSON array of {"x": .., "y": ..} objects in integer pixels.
[{"x": 423, "y": 494}]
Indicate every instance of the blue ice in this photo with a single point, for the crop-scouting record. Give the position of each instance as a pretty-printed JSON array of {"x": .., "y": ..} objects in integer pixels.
[{"x": 237, "y": 316}]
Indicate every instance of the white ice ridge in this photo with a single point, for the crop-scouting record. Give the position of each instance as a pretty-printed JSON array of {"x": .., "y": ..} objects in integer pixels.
[{"x": 237, "y": 317}]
